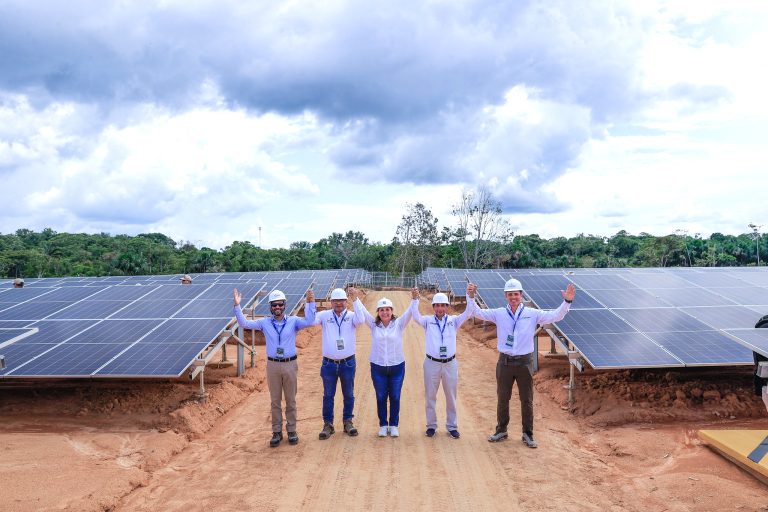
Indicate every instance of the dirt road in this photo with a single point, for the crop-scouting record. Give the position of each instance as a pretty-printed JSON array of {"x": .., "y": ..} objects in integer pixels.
[{"x": 233, "y": 468}]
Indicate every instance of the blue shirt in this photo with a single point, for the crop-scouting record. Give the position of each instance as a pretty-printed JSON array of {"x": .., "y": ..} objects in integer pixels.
[{"x": 279, "y": 334}]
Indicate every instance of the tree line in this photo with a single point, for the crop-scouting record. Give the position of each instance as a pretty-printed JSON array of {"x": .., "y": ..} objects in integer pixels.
[{"x": 479, "y": 237}]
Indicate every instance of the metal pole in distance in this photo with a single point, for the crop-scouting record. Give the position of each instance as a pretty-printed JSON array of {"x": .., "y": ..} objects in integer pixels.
[
  {"x": 571, "y": 385},
  {"x": 201, "y": 394}
]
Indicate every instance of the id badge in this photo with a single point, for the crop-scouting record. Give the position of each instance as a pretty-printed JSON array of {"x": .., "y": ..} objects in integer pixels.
[
  {"x": 340, "y": 344},
  {"x": 443, "y": 351},
  {"x": 280, "y": 351},
  {"x": 510, "y": 340}
]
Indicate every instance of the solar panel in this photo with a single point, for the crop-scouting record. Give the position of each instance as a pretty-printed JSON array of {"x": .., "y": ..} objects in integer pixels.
[
  {"x": 657, "y": 280},
  {"x": 601, "y": 282},
  {"x": 57, "y": 331},
  {"x": 725, "y": 317},
  {"x": 748, "y": 296},
  {"x": 703, "y": 348},
  {"x": 633, "y": 298},
  {"x": 70, "y": 359},
  {"x": 755, "y": 340},
  {"x": 661, "y": 320},
  {"x": 206, "y": 309},
  {"x": 159, "y": 309},
  {"x": 591, "y": 321},
  {"x": 551, "y": 299},
  {"x": 163, "y": 360},
  {"x": 713, "y": 280},
  {"x": 90, "y": 309},
  {"x": 690, "y": 297},
  {"x": 625, "y": 350},
  {"x": 10, "y": 334},
  {"x": 19, "y": 353}
]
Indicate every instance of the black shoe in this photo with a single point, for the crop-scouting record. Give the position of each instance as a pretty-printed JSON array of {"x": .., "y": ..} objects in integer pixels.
[
  {"x": 454, "y": 434},
  {"x": 327, "y": 431},
  {"x": 430, "y": 432},
  {"x": 293, "y": 438},
  {"x": 497, "y": 436},
  {"x": 528, "y": 440},
  {"x": 276, "y": 438}
]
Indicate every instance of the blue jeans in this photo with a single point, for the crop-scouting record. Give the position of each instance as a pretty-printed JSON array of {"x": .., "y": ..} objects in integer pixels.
[
  {"x": 331, "y": 372},
  {"x": 388, "y": 382}
]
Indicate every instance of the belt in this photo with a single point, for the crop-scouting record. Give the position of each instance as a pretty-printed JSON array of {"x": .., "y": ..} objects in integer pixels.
[
  {"x": 446, "y": 360},
  {"x": 281, "y": 359},
  {"x": 339, "y": 361},
  {"x": 507, "y": 357}
]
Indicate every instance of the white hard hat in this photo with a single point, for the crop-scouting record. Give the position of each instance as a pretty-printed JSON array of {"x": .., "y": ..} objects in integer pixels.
[
  {"x": 513, "y": 285},
  {"x": 440, "y": 298},
  {"x": 275, "y": 295},
  {"x": 384, "y": 303},
  {"x": 338, "y": 294},
  {"x": 186, "y": 277}
]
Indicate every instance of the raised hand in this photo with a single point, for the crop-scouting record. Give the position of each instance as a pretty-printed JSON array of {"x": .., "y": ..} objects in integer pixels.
[
  {"x": 471, "y": 289},
  {"x": 414, "y": 293},
  {"x": 352, "y": 293},
  {"x": 569, "y": 293},
  {"x": 310, "y": 296},
  {"x": 238, "y": 297}
]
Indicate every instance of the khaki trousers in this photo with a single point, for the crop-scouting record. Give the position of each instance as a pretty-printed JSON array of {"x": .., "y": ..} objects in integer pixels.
[
  {"x": 508, "y": 370},
  {"x": 282, "y": 378},
  {"x": 434, "y": 374}
]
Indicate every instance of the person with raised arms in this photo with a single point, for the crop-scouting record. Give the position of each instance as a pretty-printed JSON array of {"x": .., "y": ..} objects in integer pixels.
[
  {"x": 440, "y": 364},
  {"x": 387, "y": 360},
  {"x": 282, "y": 368},
  {"x": 515, "y": 329},
  {"x": 339, "y": 363}
]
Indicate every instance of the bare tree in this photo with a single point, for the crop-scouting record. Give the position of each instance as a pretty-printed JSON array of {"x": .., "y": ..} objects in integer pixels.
[
  {"x": 417, "y": 238},
  {"x": 481, "y": 229}
]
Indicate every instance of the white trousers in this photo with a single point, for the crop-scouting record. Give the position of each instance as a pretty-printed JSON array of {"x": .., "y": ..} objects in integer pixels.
[{"x": 434, "y": 374}]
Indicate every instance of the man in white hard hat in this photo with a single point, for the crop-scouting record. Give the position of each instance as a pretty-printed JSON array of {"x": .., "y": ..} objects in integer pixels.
[
  {"x": 515, "y": 329},
  {"x": 282, "y": 368},
  {"x": 186, "y": 279},
  {"x": 339, "y": 363},
  {"x": 440, "y": 364},
  {"x": 18, "y": 283}
]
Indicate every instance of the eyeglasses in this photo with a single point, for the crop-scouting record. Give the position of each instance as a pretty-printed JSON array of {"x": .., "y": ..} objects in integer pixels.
[{"x": 277, "y": 305}]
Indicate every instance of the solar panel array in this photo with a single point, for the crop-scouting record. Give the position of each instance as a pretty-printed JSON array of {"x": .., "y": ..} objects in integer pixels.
[
  {"x": 137, "y": 326},
  {"x": 640, "y": 318}
]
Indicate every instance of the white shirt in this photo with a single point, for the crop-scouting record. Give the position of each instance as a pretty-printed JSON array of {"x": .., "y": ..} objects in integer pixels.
[
  {"x": 386, "y": 342},
  {"x": 442, "y": 333},
  {"x": 522, "y": 327},
  {"x": 337, "y": 328}
]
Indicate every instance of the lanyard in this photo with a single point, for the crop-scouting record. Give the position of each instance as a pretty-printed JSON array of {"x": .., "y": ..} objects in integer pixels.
[
  {"x": 274, "y": 324},
  {"x": 514, "y": 319},
  {"x": 441, "y": 329},
  {"x": 339, "y": 323}
]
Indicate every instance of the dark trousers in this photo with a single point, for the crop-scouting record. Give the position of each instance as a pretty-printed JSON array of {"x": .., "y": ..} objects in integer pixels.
[
  {"x": 331, "y": 372},
  {"x": 508, "y": 370},
  {"x": 388, "y": 382}
]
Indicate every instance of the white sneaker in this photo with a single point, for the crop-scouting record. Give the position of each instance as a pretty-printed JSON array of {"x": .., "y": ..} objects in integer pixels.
[
  {"x": 383, "y": 431},
  {"x": 394, "y": 432}
]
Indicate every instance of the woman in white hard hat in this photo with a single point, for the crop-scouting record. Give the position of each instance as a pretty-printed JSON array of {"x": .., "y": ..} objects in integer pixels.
[{"x": 387, "y": 360}]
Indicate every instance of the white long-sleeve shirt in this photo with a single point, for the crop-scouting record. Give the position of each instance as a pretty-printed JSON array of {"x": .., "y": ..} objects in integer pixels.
[
  {"x": 520, "y": 327},
  {"x": 440, "y": 334},
  {"x": 339, "y": 331},
  {"x": 386, "y": 342}
]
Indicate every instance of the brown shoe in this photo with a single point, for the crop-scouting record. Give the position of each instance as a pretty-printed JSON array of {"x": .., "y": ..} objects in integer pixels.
[
  {"x": 349, "y": 428},
  {"x": 327, "y": 431}
]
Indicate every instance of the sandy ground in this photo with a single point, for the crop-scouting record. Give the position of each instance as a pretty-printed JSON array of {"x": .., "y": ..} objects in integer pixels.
[{"x": 628, "y": 444}]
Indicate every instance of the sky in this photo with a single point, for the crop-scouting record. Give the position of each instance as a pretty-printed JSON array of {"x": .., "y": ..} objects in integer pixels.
[{"x": 276, "y": 122}]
